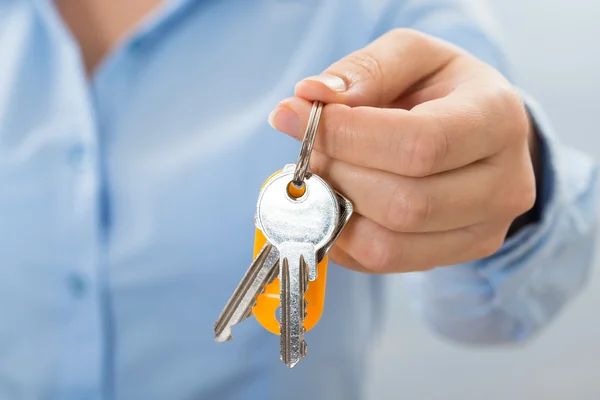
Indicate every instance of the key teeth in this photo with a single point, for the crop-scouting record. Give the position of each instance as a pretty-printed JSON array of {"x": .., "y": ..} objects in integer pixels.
[
  {"x": 303, "y": 352},
  {"x": 221, "y": 338},
  {"x": 310, "y": 261},
  {"x": 224, "y": 336},
  {"x": 232, "y": 314}
]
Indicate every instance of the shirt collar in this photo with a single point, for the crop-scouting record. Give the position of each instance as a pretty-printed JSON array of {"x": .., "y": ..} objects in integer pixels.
[
  {"x": 150, "y": 27},
  {"x": 162, "y": 18},
  {"x": 164, "y": 14}
]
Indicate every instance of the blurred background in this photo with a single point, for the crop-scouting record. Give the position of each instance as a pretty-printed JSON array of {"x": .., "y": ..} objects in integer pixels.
[{"x": 554, "y": 48}]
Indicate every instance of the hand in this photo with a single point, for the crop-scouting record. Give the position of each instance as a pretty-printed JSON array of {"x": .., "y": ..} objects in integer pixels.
[{"x": 430, "y": 144}]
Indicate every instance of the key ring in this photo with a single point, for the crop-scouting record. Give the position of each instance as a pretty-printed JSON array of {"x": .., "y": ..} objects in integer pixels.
[{"x": 307, "y": 144}]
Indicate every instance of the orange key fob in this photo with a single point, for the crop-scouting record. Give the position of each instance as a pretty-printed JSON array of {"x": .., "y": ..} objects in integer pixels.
[{"x": 267, "y": 303}]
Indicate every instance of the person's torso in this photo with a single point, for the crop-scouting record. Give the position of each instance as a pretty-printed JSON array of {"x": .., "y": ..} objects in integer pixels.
[{"x": 126, "y": 204}]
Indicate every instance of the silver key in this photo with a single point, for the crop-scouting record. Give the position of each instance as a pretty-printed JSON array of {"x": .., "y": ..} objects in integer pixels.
[
  {"x": 298, "y": 228},
  {"x": 346, "y": 210},
  {"x": 304, "y": 230},
  {"x": 261, "y": 272}
]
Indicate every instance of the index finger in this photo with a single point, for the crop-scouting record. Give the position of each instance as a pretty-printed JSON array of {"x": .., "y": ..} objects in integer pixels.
[{"x": 446, "y": 135}]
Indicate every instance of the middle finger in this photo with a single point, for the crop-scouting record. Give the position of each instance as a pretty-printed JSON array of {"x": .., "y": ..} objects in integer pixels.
[
  {"x": 394, "y": 140},
  {"x": 441, "y": 202}
]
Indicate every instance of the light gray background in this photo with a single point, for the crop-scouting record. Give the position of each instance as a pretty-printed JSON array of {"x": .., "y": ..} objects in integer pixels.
[{"x": 555, "y": 48}]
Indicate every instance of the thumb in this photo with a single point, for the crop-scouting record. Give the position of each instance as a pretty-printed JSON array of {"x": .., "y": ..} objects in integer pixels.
[{"x": 380, "y": 73}]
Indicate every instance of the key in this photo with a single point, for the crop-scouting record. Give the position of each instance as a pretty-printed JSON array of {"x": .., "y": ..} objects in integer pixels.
[
  {"x": 298, "y": 228},
  {"x": 261, "y": 272},
  {"x": 268, "y": 302},
  {"x": 298, "y": 219},
  {"x": 264, "y": 270}
]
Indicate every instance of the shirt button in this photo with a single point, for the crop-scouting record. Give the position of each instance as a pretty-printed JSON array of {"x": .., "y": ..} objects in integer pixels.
[
  {"x": 77, "y": 155},
  {"x": 77, "y": 285},
  {"x": 136, "y": 44}
]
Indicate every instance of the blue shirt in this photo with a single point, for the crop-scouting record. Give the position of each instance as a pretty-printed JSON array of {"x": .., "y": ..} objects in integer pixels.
[{"x": 127, "y": 201}]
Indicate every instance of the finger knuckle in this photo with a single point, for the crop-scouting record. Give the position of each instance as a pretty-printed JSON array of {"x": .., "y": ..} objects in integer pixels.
[
  {"x": 528, "y": 197},
  {"x": 490, "y": 245},
  {"x": 340, "y": 128},
  {"x": 511, "y": 105},
  {"x": 369, "y": 67},
  {"x": 424, "y": 151},
  {"x": 522, "y": 198},
  {"x": 407, "y": 35},
  {"x": 408, "y": 209},
  {"x": 518, "y": 188}
]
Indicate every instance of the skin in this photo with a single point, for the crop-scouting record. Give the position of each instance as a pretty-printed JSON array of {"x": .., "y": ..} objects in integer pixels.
[
  {"x": 434, "y": 147},
  {"x": 99, "y": 25}
]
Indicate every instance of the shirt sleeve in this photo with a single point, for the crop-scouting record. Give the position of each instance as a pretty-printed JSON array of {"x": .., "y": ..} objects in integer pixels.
[{"x": 512, "y": 295}]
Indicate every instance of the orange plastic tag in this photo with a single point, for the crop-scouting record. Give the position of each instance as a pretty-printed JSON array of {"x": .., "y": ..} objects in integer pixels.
[{"x": 267, "y": 303}]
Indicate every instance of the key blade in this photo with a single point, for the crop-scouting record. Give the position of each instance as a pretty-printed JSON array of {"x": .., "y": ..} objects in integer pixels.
[
  {"x": 293, "y": 275},
  {"x": 239, "y": 307},
  {"x": 284, "y": 323}
]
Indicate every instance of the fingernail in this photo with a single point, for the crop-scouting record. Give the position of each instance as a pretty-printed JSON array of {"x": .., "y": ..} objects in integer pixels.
[
  {"x": 285, "y": 120},
  {"x": 333, "y": 82}
]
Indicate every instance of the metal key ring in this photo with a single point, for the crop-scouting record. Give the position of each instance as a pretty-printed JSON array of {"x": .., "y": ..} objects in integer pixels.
[{"x": 307, "y": 144}]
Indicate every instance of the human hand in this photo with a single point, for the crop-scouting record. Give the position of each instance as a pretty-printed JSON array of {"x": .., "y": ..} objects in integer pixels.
[{"x": 431, "y": 145}]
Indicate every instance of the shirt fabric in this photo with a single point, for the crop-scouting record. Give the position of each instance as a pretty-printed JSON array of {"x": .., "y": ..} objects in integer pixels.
[{"x": 127, "y": 202}]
